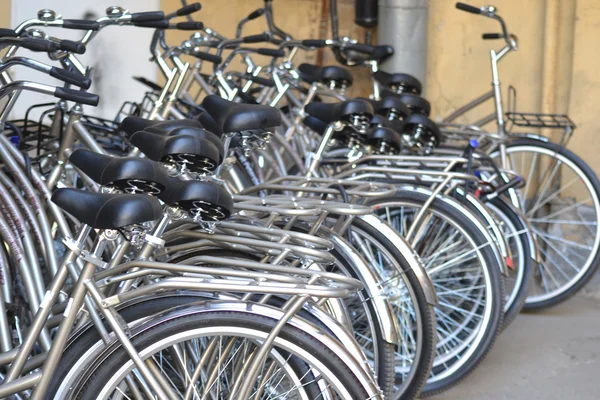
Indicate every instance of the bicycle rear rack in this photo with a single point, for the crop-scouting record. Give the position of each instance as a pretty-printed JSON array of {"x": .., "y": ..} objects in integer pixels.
[{"x": 532, "y": 120}]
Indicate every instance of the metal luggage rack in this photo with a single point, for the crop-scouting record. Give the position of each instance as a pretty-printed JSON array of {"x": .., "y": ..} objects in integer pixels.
[
  {"x": 32, "y": 138},
  {"x": 223, "y": 274},
  {"x": 533, "y": 120},
  {"x": 257, "y": 236},
  {"x": 107, "y": 134},
  {"x": 310, "y": 187},
  {"x": 300, "y": 207},
  {"x": 460, "y": 132},
  {"x": 440, "y": 162},
  {"x": 404, "y": 175}
]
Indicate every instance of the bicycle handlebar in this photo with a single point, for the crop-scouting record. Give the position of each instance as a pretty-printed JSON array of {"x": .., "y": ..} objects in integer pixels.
[
  {"x": 490, "y": 12},
  {"x": 488, "y": 36},
  {"x": 148, "y": 16},
  {"x": 77, "y": 96},
  {"x": 468, "y": 8},
  {"x": 80, "y": 24},
  {"x": 71, "y": 46},
  {"x": 33, "y": 44},
  {"x": 189, "y": 9},
  {"x": 263, "y": 37},
  {"x": 73, "y": 78},
  {"x": 4, "y": 32}
]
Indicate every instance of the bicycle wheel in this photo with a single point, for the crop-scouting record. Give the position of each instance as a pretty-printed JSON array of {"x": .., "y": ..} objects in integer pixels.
[
  {"x": 458, "y": 255},
  {"x": 202, "y": 354},
  {"x": 561, "y": 199},
  {"x": 517, "y": 233},
  {"x": 414, "y": 353},
  {"x": 363, "y": 316}
]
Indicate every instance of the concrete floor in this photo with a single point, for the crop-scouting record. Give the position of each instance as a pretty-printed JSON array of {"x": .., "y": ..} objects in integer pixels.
[{"x": 554, "y": 354}]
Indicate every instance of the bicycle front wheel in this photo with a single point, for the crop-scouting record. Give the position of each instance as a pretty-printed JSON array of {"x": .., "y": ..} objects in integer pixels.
[{"x": 561, "y": 199}]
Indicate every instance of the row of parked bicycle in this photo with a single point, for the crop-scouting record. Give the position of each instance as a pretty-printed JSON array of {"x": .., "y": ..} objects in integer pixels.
[{"x": 256, "y": 235}]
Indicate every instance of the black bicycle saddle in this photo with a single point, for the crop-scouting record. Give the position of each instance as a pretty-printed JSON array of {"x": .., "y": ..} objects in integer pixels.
[
  {"x": 207, "y": 200},
  {"x": 423, "y": 121},
  {"x": 200, "y": 133},
  {"x": 331, "y": 112},
  {"x": 393, "y": 104},
  {"x": 407, "y": 82},
  {"x": 129, "y": 174},
  {"x": 376, "y": 135},
  {"x": 235, "y": 117},
  {"x": 130, "y": 125},
  {"x": 315, "y": 124},
  {"x": 359, "y": 53},
  {"x": 311, "y": 73},
  {"x": 105, "y": 210},
  {"x": 199, "y": 155},
  {"x": 415, "y": 103}
]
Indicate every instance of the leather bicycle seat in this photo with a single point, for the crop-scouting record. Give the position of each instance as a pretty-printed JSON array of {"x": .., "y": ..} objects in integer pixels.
[
  {"x": 407, "y": 82},
  {"x": 311, "y": 73},
  {"x": 199, "y": 133},
  {"x": 394, "y": 104},
  {"x": 199, "y": 155},
  {"x": 208, "y": 200},
  {"x": 368, "y": 53},
  {"x": 331, "y": 112},
  {"x": 380, "y": 120},
  {"x": 130, "y": 125},
  {"x": 423, "y": 121},
  {"x": 315, "y": 124},
  {"x": 107, "y": 211},
  {"x": 129, "y": 174},
  {"x": 234, "y": 117},
  {"x": 376, "y": 135},
  {"x": 415, "y": 103}
]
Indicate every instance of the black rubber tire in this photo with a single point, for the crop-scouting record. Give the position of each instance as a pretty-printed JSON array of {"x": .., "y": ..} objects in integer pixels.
[
  {"x": 510, "y": 313},
  {"x": 115, "y": 356},
  {"x": 417, "y": 199},
  {"x": 595, "y": 182},
  {"x": 424, "y": 311}
]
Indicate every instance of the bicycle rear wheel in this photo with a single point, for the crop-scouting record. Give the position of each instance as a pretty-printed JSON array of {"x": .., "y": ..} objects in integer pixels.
[
  {"x": 415, "y": 351},
  {"x": 458, "y": 255},
  {"x": 204, "y": 353}
]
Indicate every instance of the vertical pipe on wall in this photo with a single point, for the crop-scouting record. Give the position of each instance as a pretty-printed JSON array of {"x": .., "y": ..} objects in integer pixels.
[{"x": 403, "y": 25}]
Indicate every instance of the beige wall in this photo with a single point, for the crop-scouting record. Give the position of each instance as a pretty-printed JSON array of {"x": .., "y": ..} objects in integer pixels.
[{"x": 555, "y": 70}]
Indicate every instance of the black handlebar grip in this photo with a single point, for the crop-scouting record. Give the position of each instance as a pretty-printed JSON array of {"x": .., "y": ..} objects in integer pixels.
[
  {"x": 263, "y": 37},
  {"x": 255, "y": 14},
  {"x": 77, "y": 96},
  {"x": 189, "y": 26},
  {"x": 82, "y": 24},
  {"x": 314, "y": 43},
  {"x": 71, "y": 46},
  {"x": 492, "y": 36},
  {"x": 149, "y": 16},
  {"x": 39, "y": 45},
  {"x": 164, "y": 24},
  {"x": 4, "y": 32},
  {"x": 213, "y": 58},
  {"x": 271, "y": 52},
  {"x": 189, "y": 9},
  {"x": 260, "y": 80},
  {"x": 74, "y": 78},
  {"x": 468, "y": 8},
  {"x": 361, "y": 48}
]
